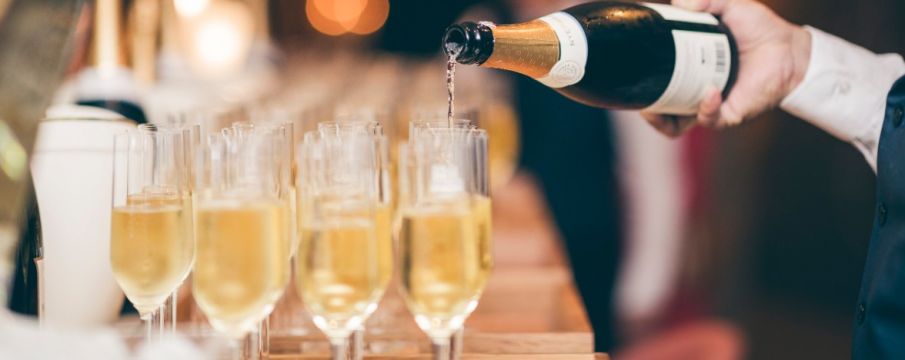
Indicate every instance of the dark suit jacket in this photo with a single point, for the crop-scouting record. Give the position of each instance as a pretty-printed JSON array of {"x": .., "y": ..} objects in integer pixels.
[{"x": 880, "y": 312}]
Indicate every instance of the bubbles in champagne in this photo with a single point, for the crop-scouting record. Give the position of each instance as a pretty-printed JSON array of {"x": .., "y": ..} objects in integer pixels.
[
  {"x": 453, "y": 48},
  {"x": 450, "y": 89}
]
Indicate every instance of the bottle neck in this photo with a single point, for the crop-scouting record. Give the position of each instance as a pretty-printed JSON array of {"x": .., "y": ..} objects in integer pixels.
[
  {"x": 260, "y": 11},
  {"x": 143, "y": 29},
  {"x": 530, "y": 48},
  {"x": 107, "y": 50}
]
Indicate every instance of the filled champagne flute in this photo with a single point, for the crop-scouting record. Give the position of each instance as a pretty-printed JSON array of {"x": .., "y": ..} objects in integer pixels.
[
  {"x": 281, "y": 141},
  {"x": 444, "y": 239},
  {"x": 151, "y": 246},
  {"x": 241, "y": 231},
  {"x": 339, "y": 259},
  {"x": 364, "y": 125},
  {"x": 178, "y": 122}
]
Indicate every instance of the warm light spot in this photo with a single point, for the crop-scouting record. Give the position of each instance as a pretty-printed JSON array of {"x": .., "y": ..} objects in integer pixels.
[
  {"x": 219, "y": 39},
  {"x": 212, "y": 41},
  {"x": 337, "y": 17},
  {"x": 373, "y": 17},
  {"x": 320, "y": 22},
  {"x": 347, "y": 12},
  {"x": 190, "y": 8}
]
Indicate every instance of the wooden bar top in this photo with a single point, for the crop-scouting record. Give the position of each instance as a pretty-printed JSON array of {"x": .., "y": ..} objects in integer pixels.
[
  {"x": 464, "y": 357},
  {"x": 530, "y": 309}
]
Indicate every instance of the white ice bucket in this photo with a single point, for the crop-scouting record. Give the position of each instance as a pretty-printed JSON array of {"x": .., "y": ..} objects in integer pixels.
[{"x": 72, "y": 169}]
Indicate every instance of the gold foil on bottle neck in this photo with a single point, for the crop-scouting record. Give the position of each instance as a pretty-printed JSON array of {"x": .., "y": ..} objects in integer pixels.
[
  {"x": 107, "y": 51},
  {"x": 144, "y": 25},
  {"x": 529, "y": 48}
]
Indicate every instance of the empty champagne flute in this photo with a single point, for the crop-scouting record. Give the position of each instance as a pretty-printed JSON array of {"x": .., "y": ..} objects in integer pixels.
[
  {"x": 151, "y": 247},
  {"x": 339, "y": 258},
  {"x": 444, "y": 239},
  {"x": 241, "y": 231}
]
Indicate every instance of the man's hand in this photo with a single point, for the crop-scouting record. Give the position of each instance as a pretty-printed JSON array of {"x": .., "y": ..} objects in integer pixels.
[{"x": 773, "y": 59}]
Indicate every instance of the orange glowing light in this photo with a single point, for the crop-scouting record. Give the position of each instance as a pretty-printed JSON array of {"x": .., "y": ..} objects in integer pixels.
[
  {"x": 345, "y": 12},
  {"x": 373, "y": 17},
  {"x": 320, "y": 22},
  {"x": 337, "y": 17}
]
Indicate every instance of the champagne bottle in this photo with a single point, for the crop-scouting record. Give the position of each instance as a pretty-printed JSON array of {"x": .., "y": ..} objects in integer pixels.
[
  {"x": 610, "y": 54},
  {"x": 108, "y": 82}
]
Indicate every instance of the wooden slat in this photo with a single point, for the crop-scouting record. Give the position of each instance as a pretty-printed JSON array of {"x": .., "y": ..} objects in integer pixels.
[
  {"x": 481, "y": 343},
  {"x": 464, "y": 357}
]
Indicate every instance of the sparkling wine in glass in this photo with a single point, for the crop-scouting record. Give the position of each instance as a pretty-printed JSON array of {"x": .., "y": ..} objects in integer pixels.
[
  {"x": 341, "y": 273},
  {"x": 151, "y": 247},
  {"x": 444, "y": 240}
]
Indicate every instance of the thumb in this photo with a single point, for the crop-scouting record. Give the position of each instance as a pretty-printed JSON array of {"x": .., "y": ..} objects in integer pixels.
[{"x": 669, "y": 125}]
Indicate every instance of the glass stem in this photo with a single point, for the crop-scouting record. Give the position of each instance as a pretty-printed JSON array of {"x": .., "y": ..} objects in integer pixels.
[
  {"x": 252, "y": 346},
  {"x": 149, "y": 326},
  {"x": 237, "y": 349},
  {"x": 441, "y": 348},
  {"x": 338, "y": 349},
  {"x": 173, "y": 304},
  {"x": 152, "y": 324},
  {"x": 264, "y": 337},
  {"x": 358, "y": 343},
  {"x": 455, "y": 346},
  {"x": 161, "y": 319}
]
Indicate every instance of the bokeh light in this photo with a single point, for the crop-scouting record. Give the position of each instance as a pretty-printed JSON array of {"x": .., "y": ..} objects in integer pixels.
[
  {"x": 320, "y": 22},
  {"x": 219, "y": 39},
  {"x": 338, "y": 17},
  {"x": 190, "y": 8},
  {"x": 373, "y": 17}
]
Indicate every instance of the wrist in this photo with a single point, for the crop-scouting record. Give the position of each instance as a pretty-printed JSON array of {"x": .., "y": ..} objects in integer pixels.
[{"x": 800, "y": 57}]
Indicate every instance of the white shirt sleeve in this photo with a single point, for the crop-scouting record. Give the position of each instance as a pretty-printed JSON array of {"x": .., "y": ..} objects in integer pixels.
[{"x": 844, "y": 91}]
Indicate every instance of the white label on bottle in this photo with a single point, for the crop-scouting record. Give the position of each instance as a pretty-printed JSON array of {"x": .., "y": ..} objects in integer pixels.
[
  {"x": 702, "y": 60},
  {"x": 676, "y": 14},
  {"x": 573, "y": 51}
]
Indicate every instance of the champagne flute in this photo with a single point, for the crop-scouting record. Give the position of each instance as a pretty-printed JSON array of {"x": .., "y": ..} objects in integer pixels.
[
  {"x": 444, "y": 238},
  {"x": 338, "y": 263},
  {"x": 241, "y": 231},
  {"x": 178, "y": 122},
  {"x": 364, "y": 124},
  {"x": 425, "y": 119},
  {"x": 151, "y": 248},
  {"x": 282, "y": 140}
]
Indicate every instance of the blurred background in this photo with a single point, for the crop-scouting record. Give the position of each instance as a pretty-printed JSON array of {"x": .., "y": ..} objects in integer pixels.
[{"x": 749, "y": 240}]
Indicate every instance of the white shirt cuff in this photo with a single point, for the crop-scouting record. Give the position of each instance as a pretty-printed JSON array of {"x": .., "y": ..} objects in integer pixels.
[{"x": 844, "y": 91}]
